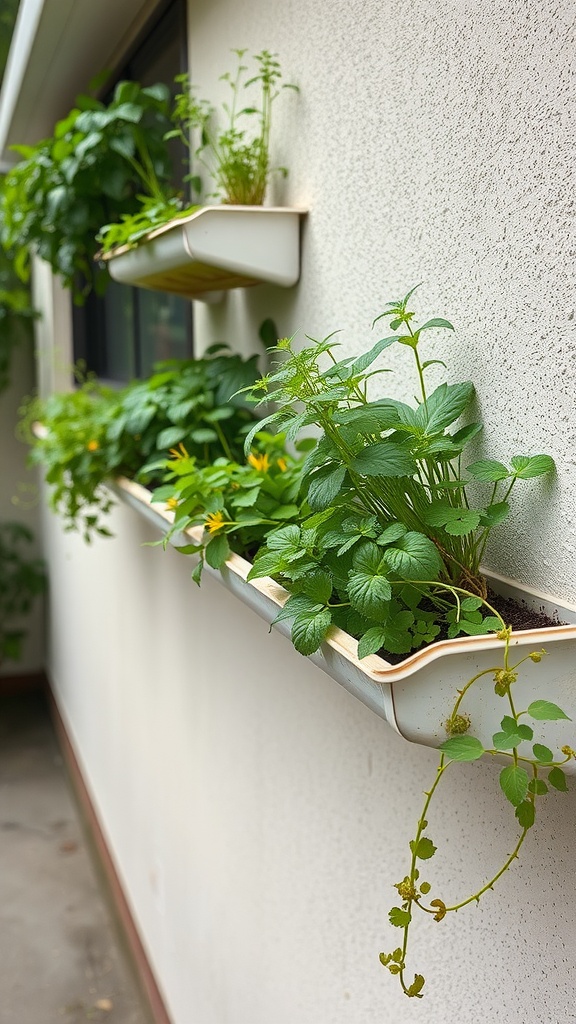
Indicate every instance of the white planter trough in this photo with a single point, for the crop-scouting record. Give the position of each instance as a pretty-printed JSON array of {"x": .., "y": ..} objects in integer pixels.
[
  {"x": 416, "y": 696},
  {"x": 214, "y": 249}
]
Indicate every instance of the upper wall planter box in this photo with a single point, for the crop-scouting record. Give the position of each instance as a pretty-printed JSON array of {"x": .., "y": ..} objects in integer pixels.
[
  {"x": 214, "y": 249},
  {"x": 416, "y": 696}
]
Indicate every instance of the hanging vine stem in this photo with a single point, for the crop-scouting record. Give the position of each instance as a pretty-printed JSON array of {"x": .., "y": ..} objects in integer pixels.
[{"x": 521, "y": 790}]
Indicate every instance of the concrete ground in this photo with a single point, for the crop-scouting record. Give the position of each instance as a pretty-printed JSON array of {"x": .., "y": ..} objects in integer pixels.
[{"x": 61, "y": 961}]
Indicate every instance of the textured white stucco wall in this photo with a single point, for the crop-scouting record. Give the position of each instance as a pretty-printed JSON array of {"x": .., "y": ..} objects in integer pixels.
[
  {"x": 257, "y": 812},
  {"x": 432, "y": 142}
]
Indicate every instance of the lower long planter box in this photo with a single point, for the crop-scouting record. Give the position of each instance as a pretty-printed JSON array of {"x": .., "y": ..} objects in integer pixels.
[{"x": 416, "y": 696}]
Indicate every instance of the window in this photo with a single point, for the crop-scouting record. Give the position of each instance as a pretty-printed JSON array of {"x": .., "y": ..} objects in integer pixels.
[{"x": 122, "y": 335}]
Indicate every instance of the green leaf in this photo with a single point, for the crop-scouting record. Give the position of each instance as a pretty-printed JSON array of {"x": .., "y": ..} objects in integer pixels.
[
  {"x": 399, "y": 918},
  {"x": 445, "y": 405},
  {"x": 368, "y": 586},
  {"x": 526, "y": 467},
  {"x": 366, "y": 360},
  {"x": 416, "y": 987},
  {"x": 415, "y": 557},
  {"x": 538, "y": 787},
  {"x": 391, "y": 533},
  {"x": 557, "y": 779},
  {"x": 371, "y": 642},
  {"x": 325, "y": 486},
  {"x": 488, "y": 470},
  {"x": 506, "y": 740},
  {"x": 309, "y": 629},
  {"x": 462, "y": 748},
  {"x": 525, "y": 813},
  {"x": 436, "y": 321},
  {"x": 318, "y": 587},
  {"x": 546, "y": 711},
  {"x": 514, "y": 783},
  {"x": 384, "y": 459},
  {"x": 217, "y": 551},
  {"x": 425, "y": 848},
  {"x": 542, "y": 754},
  {"x": 456, "y": 521},
  {"x": 425, "y": 888},
  {"x": 495, "y": 514}
]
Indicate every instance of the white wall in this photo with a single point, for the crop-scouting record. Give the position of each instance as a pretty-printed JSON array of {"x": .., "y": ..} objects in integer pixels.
[{"x": 257, "y": 812}]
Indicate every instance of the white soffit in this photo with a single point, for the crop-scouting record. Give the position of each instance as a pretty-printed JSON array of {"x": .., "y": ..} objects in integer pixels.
[{"x": 58, "y": 46}]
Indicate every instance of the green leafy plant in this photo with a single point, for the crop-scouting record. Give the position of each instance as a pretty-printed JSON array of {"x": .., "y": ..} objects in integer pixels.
[
  {"x": 91, "y": 171},
  {"x": 392, "y": 547},
  {"x": 16, "y": 316},
  {"x": 94, "y": 432},
  {"x": 236, "y": 504},
  {"x": 22, "y": 579},
  {"x": 236, "y": 155},
  {"x": 532, "y": 770}
]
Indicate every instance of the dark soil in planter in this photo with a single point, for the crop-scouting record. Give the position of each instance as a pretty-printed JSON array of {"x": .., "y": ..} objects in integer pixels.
[{"x": 517, "y": 614}]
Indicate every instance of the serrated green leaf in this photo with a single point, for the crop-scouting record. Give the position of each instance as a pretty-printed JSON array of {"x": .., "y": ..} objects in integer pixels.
[
  {"x": 538, "y": 787},
  {"x": 309, "y": 629},
  {"x": 324, "y": 486},
  {"x": 425, "y": 848},
  {"x": 384, "y": 459},
  {"x": 506, "y": 740},
  {"x": 456, "y": 521},
  {"x": 414, "y": 557},
  {"x": 526, "y": 467},
  {"x": 462, "y": 748},
  {"x": 488, "y": 470},
  {"x": 371, "y": 641},
  {"x": 391, "y": 533},
  {"x": 546, "y": 711},
  {"x": 542, "y": 753},
  {"x": 399, "y": 918},
  {"x": 514, "y": 783},
  {"x": 217, "y": 551},
  {"x": 318, "y": 587},
  {"x": 494, "y": 514},
  {"x": 525, "y": 813},
  {"x": 557, "y": 779},
  {"x": 445, "y": 405}
]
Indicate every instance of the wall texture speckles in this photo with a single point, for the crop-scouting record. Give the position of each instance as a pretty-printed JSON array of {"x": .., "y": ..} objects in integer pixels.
[{"x": 434, "y": 142}]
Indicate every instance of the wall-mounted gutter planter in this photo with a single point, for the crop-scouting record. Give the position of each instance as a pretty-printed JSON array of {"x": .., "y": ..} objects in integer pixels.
[
  {"x": 214, "y": 249},
  {"x": 416, "y": 696}
]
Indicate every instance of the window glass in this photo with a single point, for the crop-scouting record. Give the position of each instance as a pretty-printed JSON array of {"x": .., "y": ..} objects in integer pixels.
[{"x": 122, "y": 335}]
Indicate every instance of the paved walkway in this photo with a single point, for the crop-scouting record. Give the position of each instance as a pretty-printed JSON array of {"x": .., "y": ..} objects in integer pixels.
[{"x": 60, "y": 957}]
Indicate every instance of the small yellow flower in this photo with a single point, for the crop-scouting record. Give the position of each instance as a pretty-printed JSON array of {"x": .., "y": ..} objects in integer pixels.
[
  {"x": 179, "y": 452},
  {"x": 214, "y": 521},
  {"x": 259, "y": 462},
  {"x": 282, "y": 465},
  {"x": 568, "y": 751},
  {"x": 92, "y": 446},
  {"x": 172, "y": 503}
]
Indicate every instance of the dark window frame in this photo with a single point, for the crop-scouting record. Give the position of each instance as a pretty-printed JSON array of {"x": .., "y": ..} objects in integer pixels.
[{"x": 91, "y": 322}]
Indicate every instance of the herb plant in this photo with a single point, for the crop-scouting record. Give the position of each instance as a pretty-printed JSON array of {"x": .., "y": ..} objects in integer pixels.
[
  {"x": 22, "y": 579},
  {"x": 237, "y": 504},
  {"x": 237, "y": 155},
  {"x": 391, "y": 550},
  {"x": 532, "y": 770},
  {"x": 94, "y": 432},
  {"x": 91, "y": 171}
]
